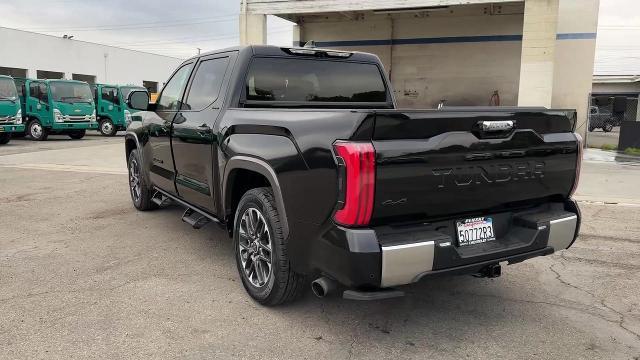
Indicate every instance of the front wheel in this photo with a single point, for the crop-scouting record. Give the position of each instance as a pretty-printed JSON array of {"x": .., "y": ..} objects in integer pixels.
[
  {"x": 141, "y": 193},
  {"x": 261, "y": 250},
  {"x": 36, "y": 131},
  {"x": 107, "y": 128},
  {"x": 77, "y": 135},
  {"x": 607, "y": 127},
  {"x": 5, "y": 138}
]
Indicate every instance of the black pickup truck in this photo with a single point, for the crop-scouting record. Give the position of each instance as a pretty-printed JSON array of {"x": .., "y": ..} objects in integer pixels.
[{"x": 302, "y": 156}]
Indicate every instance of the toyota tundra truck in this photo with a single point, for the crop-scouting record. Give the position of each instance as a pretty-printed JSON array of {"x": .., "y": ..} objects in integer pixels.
[{"x": 301, "y": 155}]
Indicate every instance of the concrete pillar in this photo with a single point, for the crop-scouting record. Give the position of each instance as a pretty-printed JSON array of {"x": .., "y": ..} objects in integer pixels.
[
  {"x": 538, "y": 52},
  {"x": 298, "y": 39},
  {"x": 253, "y": 29},
  {"x": 574, "y": 57}
]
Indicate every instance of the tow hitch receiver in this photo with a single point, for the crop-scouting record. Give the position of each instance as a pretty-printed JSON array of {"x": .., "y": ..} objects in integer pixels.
[{"x": 490, "y": 271}]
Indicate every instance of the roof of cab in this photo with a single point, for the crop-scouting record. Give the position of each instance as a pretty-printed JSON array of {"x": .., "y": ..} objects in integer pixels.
[{"x": 272, "y": 50}]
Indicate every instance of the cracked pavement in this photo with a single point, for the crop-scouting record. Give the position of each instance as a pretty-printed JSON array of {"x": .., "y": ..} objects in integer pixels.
[{"x": 84, "y": 275}]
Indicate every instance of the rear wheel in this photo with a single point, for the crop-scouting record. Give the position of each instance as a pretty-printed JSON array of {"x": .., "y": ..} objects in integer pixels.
[
  {"x": 607, "y": 127},
  {"x": 141, "y": 192},
  {"x": 4, "y": 138},
  {"x": 36, "y": 131},
  {"x": 261, "y": 250},
  {"x": 76, "y": 135},
  {"x": 107, "y": 128}
]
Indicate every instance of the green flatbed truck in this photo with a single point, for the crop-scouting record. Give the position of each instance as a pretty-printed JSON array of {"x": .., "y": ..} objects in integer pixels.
[
  {"x": 61, "y": 107},
  {"x": 111, "y": 105},
  {"x": 10, "y": 111}
]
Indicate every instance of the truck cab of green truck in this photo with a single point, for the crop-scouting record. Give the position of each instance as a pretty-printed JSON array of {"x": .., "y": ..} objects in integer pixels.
[
  {"x": 63, "y": 107},
  {"x": 111, "y": 105},
  {"x": 10, "y": 111}
]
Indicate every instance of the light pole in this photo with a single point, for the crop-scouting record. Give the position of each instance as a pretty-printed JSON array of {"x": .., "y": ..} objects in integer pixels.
[{"x": 105, "y": 67}]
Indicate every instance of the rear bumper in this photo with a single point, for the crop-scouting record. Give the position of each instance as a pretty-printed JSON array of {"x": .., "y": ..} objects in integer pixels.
[
  {"x": 386, "y": 257},
  {"x": 11, "y": 128}
]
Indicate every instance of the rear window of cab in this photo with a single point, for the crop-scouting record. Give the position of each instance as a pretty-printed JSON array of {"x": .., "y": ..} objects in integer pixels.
[{"x": 314, "y": 81}]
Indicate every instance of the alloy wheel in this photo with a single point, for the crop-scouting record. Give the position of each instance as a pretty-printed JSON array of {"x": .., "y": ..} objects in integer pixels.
[
  {"x": 134, "y": 180},
  {"x": 254, "y": 246}
]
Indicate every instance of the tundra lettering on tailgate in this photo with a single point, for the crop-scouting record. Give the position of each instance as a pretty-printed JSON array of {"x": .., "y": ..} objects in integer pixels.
[{"x": 487, "y": 174}]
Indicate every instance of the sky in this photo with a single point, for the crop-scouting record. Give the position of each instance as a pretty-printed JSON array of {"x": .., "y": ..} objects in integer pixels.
[{"x": 162, "y": 27}]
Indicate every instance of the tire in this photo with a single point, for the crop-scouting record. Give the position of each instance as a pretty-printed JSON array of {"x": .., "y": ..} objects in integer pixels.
[
  {"x": 279, "y": 283},
  {"x": 107, "y": 128},
  {"x": 607, "y": 127},
  {"x": 140, "y": 196},
  {"x": 36, "y": 131},
  {"x": 5, "y": 138},
  {"x": 591, "y": 128},
  {"x": 77, "y": 135}
]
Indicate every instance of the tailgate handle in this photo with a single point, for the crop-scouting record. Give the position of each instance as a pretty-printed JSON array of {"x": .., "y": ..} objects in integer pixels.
[{"x": 494, "y": 126}]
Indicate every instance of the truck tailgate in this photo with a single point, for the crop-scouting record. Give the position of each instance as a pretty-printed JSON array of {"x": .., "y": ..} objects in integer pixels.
[{"x": 433, "y": 164}]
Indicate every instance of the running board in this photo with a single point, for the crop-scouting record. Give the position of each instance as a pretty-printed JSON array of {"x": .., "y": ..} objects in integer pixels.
[
  {"x": 161, "y": 199},
  {"x": 194, "y": 218}
]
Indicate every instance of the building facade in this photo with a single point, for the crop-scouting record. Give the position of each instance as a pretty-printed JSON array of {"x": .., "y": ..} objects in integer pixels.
[
  {"x": 33, "y": 55},
  {"x": 462, "y": 52}
]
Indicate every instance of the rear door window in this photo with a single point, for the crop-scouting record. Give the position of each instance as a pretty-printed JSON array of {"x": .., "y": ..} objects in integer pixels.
[{"x": 314, "y": 81}]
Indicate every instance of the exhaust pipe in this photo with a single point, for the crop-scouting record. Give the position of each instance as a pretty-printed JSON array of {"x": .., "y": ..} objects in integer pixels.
[{"x": 323, "y": 286}]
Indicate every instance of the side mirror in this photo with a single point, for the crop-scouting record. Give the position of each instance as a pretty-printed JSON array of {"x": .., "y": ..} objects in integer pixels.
[{"x": 138, "y": 100}]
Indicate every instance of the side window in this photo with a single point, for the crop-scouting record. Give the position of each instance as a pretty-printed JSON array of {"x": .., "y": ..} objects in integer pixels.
[
  {"x": 34, "y": 90},
  {"x": 170, "y": 97},
  {"x": 206, "y": 84},
  {"x": 42, "y": 92},
  {"x": 109, "y": 94}
]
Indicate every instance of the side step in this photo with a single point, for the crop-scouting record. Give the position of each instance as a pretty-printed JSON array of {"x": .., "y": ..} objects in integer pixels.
[
  {"x": 161, "y": 199},
  {"x": 194, "y": 218}
]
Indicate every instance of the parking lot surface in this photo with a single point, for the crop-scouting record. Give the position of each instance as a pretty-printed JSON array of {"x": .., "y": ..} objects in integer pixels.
[{"x": 85, "y": 275}]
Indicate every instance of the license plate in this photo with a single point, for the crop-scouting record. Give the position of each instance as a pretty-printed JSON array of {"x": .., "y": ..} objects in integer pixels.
[{"x": 475, "y": 231}]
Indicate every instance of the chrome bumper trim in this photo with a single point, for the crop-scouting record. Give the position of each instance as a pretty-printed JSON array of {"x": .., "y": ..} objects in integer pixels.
[
  {"x": 561, "y": 232},
  {"x": 403, "y": 264}
]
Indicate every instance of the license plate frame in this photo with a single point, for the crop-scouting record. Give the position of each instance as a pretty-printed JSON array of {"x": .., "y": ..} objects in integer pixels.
[{"x": 475, "y": 231}]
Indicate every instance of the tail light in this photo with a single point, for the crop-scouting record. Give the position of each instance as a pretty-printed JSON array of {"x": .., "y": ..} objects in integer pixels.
[
  {"x": 578, "y": 164},
  {"x": 356, "y": 163}
]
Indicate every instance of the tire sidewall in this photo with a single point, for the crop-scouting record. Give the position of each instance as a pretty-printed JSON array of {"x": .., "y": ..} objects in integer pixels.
[
  {"x": 5, "y": 138},
  {"x": 259, "y": 293}
]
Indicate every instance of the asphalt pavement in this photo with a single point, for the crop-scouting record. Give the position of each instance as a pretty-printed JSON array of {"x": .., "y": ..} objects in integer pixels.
[{"x": 84, "y": 275}]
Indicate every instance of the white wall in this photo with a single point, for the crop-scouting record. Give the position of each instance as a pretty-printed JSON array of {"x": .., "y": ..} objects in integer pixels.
[
  {"x": 463, "y": 73},
  {"x": 32, "y": 51}
]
